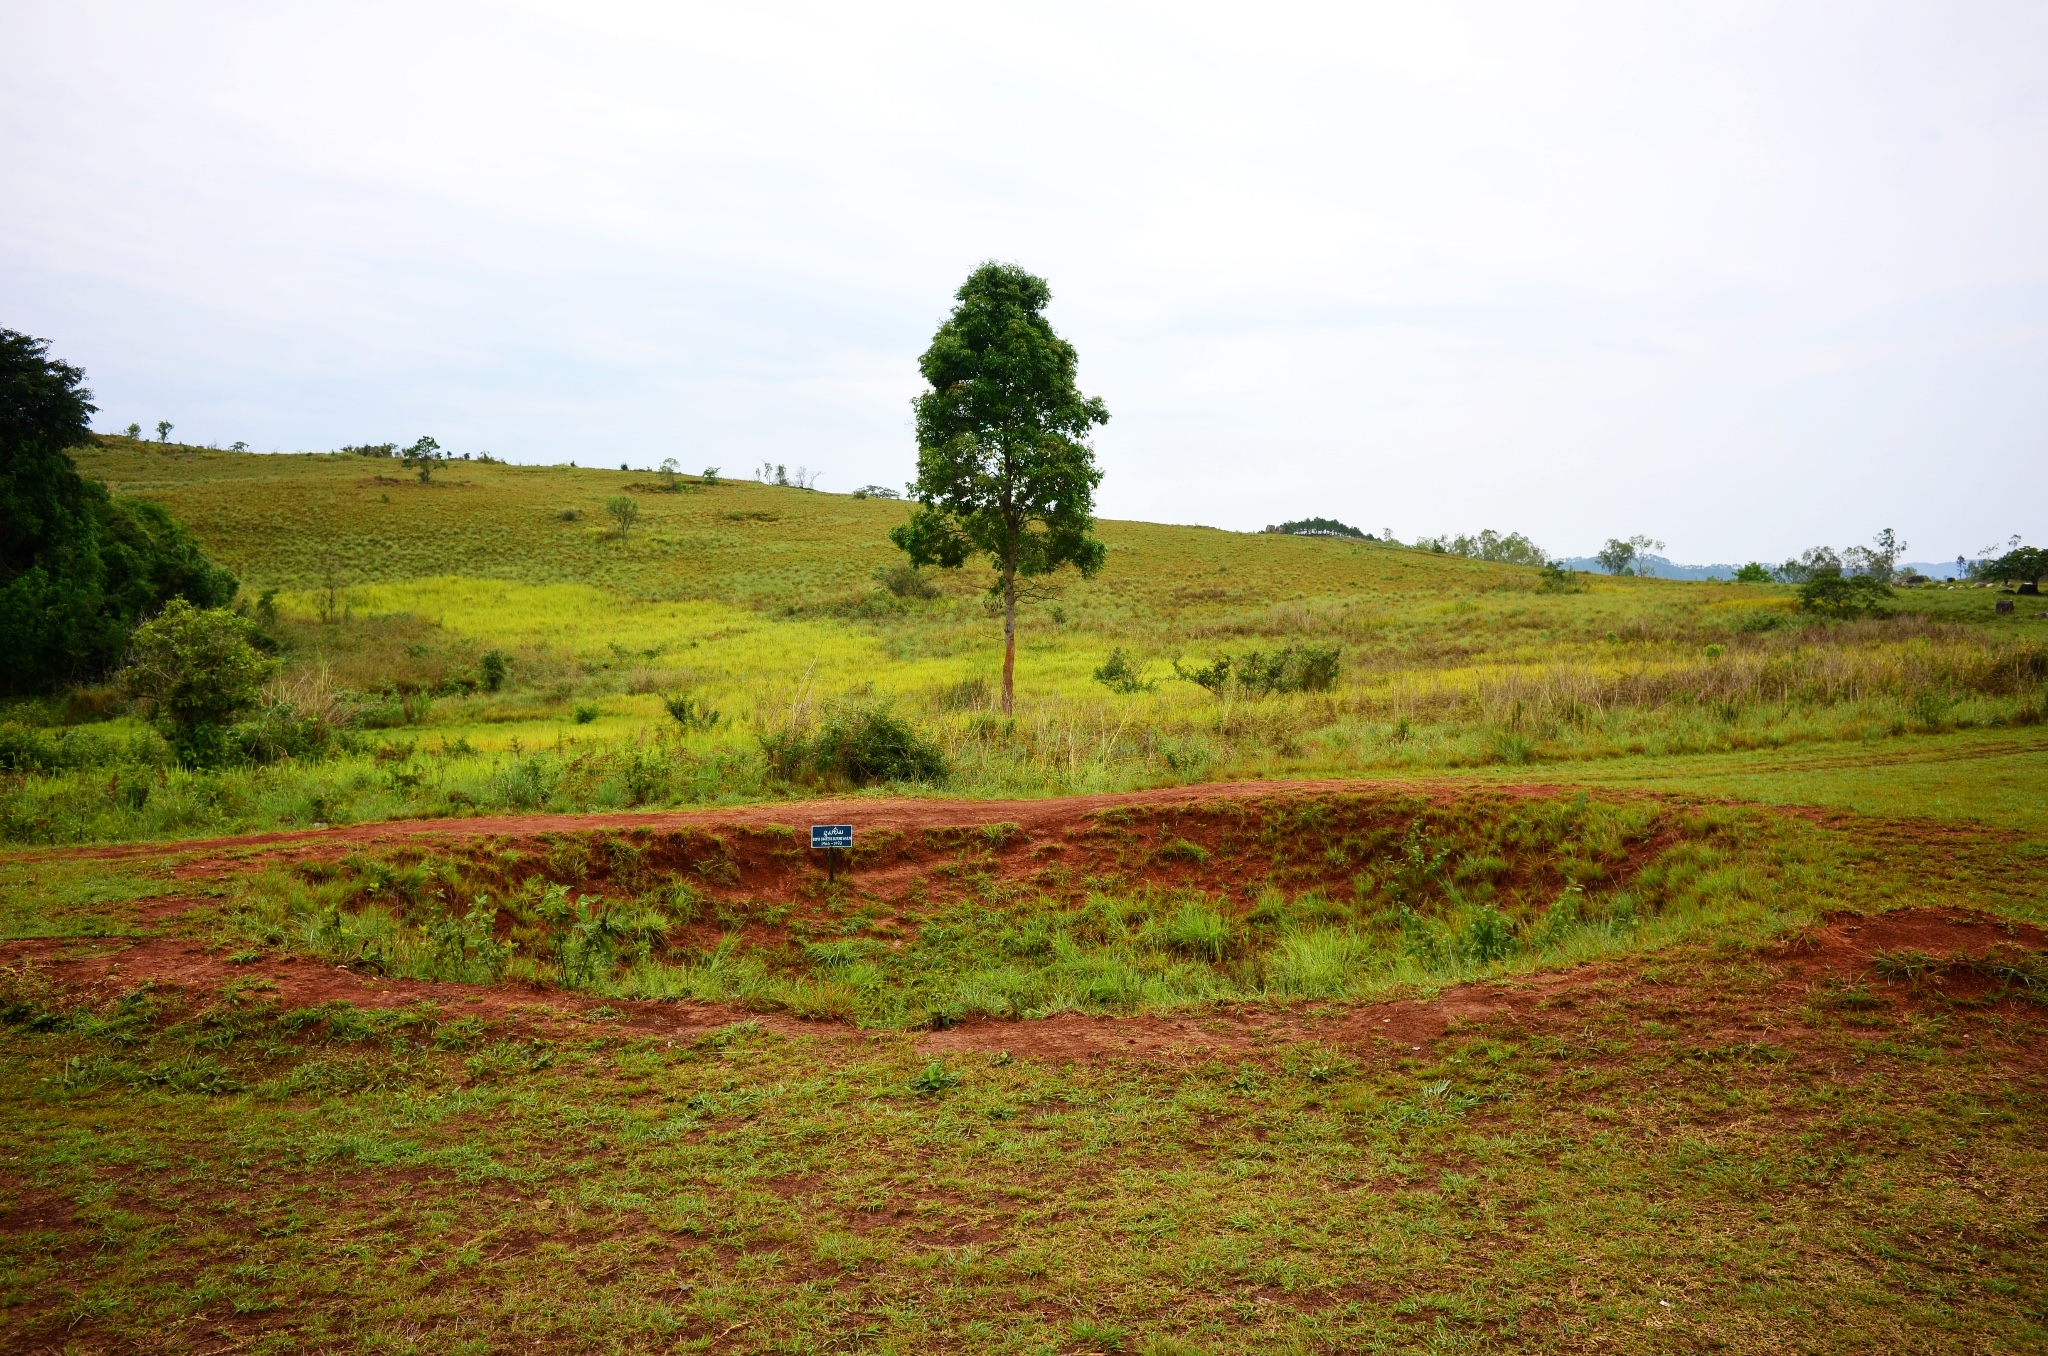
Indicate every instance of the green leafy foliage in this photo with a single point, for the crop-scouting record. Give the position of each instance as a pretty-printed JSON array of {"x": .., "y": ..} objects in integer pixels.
[
  {"x": 1262, "y": 673},
  {"x": 690, "y": 712},
  {"x": 2022, "y": 564},
  {"x": 492, "y": 670},
  {"x": 624, "y": 511},
  {"x": 422, "y": 457},
  {"x": 857, "y": 742},
  {"x": 1320, "y": 527},
  {"x": 933, "y": 1079},
  {"x": 78, "y": 567},
  {"x": 1509, "y": 549},
  {"x": 193, "y": 670},
  {"x": 1120, "y": 673},
  {"x": 1619, "y": 556},
  {"x": 1003, "y": 468},
  {"x": 907, "y": 581},
  {"x": 1834, "y": 595}
]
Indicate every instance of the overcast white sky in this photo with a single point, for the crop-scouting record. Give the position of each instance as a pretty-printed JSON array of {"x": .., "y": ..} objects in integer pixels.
[{"x": 1745, "y": 277}]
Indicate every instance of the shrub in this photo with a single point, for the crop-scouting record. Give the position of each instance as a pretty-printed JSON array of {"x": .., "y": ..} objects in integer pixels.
[
  {"x": 585, "y": 714},
  {"x": 1555, "y": 578},
  {"x": 1839, "y": 596},
  {"x": 1297, "y": 668},
  {"x": 194, "y": 671},
  {"x": 1119, "y": 674},
  {"x": 861, "y": 744},
  {"x": 905, "y": 580},
  {"x": 877, "y": 492},
  {"x": 623, "y": 510},
  {"x": 690, "y": 712},
  {"x": 492, "y": 669},
  {"x": 1754, "y": 573},
  {"x": 279, "y": 731}
]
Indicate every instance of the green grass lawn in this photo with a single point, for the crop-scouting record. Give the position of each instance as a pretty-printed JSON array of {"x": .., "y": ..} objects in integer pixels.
[{"x": 1987, "y": 777}]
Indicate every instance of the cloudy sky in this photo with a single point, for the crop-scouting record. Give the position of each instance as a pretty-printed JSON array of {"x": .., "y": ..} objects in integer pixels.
[{"x": 1745, "y": 277}]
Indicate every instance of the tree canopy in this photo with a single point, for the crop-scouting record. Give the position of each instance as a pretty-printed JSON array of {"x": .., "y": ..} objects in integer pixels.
[
  {"x": 2019, "y": 565},
  {"x": 1319, "y": 527},
  {"x": 78, "y": 567},
  {"x": 1003, "y": 466}
]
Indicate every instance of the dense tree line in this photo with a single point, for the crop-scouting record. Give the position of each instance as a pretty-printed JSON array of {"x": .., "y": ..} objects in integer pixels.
[{"x": 79, "y": 567}]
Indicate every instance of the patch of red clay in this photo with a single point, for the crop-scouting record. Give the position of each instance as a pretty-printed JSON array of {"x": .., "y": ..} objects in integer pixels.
[
  {"x": 903, "y": 815},
  {"x": 1842, "y": 947}
]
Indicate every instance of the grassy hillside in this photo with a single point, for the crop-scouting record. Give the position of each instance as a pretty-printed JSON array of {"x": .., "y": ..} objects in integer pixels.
[
  {"x": 761, "y": 604},
  {"x": 1453, "y": 1063}
]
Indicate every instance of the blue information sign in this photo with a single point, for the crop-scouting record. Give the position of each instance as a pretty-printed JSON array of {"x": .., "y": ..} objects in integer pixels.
[{"x": 831, "y": 835}]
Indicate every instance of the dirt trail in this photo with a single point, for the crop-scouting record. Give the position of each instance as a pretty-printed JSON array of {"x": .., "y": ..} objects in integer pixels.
[
  {"x": 901, "y": 814},
  {"x": 1842, "y": 948}
]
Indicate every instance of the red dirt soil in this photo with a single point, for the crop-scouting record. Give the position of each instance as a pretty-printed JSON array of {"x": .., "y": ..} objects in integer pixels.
[
  {"x": 900, "y": 814},
  {"x": 1841, "y": 949}
]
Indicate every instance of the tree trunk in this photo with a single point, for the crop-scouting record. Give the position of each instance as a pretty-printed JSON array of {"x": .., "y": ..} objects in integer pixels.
[{"x": 1009, "y": 638}]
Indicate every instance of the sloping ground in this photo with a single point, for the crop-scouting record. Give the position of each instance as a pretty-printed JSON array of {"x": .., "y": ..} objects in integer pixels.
[
  {"x": 1751, "y": 1152},
  {"x": 1933, "y": 955},
  {"x": 1106, "y": 904},
  {"x": 1732, "y": 1132}
]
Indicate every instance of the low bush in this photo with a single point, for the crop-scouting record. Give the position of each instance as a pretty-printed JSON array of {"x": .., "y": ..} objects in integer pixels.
[
  {"x": 905, "y": 580},
  {"x": 690, "y": 712},
  {"x": 1296, "y": 668},
  {"x": 1844, "y": 596},
  {"x": 1119, "y": 674},
  {"x": 859, "y": 743}
]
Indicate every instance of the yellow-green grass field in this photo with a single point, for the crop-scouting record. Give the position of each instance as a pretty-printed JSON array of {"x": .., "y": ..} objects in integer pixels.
[{"x": 761, "y": 604}]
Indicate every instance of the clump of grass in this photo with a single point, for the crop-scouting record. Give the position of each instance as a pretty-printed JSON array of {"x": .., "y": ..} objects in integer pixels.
[
  {"x": 2012, "y": 974},
  {"x": 858, "y": 743}
]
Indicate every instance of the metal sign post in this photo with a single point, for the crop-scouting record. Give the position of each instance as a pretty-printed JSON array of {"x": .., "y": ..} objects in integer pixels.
[{"x": 830, "y": 838}]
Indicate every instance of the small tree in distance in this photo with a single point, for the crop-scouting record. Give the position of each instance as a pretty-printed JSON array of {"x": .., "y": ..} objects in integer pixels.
[
  {"x": 624, "y": 511},
  {"x": 1619, "y": 557},
  {"x": 422, "y": 457},
  {"x": 163, "y": 430},
  {"x": 1003, "y": 468}
]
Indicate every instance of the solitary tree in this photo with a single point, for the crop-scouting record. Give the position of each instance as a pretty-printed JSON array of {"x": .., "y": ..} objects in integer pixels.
[
  {"x": 624, "y": 511},
  {"x": 422, "y": 457},
  {"x": 1003, "y": 465},
  {"x": 163, "y": 430},
  {"x": 135, "y": 430}
]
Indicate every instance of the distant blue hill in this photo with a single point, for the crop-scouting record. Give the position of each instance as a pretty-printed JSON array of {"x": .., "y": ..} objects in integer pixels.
[{"x": 1656, "y": 567}]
